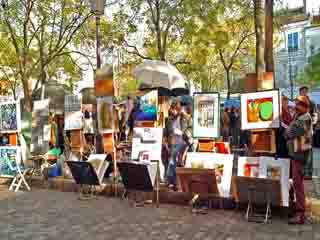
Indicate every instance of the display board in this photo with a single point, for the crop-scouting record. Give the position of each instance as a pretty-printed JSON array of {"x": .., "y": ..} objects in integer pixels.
[
  {"x": 10, "y": 117},
  {"x": 260, "y": 110},
  {"x": 278, "y": 170},
  {"x": 40, "y": 131},
  {"x": 147, "y": 109},
  {"x": 146, "y": 144},
  {"x": 73, "y": 115},
  {"x": 222, "y": 163},
  {"x": 206, "y": 115},
  {"x": 267, "y": 167},
  {"x": 9, "y": 158},
  {"x": 105, "y": 115}
]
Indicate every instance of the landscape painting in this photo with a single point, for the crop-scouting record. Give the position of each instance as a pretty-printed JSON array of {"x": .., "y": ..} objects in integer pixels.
[
  {"x": 9, "y": 158},
  {"x": 148, "y": 107},
  {"x": 10, "y": 117},
  {"x": 206, "y": 115},
  {"x": 260, "y": 110}
]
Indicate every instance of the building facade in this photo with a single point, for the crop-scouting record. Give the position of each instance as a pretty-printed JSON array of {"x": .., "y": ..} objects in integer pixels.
[{"x": 299, "y": 40}]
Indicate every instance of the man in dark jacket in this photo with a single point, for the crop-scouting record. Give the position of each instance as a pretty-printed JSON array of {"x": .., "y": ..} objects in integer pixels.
[{"x": 299, "y": 140}]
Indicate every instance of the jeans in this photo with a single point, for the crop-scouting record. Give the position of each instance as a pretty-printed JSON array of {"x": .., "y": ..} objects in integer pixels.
[{"x": 175, "y": 149}]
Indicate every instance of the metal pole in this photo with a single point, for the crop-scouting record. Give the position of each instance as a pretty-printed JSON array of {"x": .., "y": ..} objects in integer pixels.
[
  {"x": 290, "y": 75},
  {"x": 99, "y": 145}
]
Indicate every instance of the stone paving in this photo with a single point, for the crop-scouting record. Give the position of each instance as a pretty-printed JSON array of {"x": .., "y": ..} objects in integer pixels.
[{"x": 45, "y": 214}]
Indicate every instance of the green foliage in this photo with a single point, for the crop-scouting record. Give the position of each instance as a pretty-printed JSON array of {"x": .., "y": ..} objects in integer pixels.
[{"x": 311, "y": 75}]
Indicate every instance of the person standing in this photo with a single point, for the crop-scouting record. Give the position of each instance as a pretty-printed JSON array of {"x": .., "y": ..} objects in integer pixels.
[
  {"x": 175, "y": 128},
  {"x": 225, "y": 130},
  {"x": 299, "y": 140},
  {"x": 304, "y": 91}
]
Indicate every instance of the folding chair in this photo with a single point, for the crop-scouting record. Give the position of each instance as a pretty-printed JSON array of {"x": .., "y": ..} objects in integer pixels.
[{"x": 19, "y": 176}]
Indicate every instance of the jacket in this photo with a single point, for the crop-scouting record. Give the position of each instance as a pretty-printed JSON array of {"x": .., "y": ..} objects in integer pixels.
[
  {"x": 186, "y": 128},
  {"x": 299, "y": 135}
]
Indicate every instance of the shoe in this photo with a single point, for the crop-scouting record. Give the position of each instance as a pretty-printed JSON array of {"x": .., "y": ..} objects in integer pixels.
[{"x": 297, "y": 220}]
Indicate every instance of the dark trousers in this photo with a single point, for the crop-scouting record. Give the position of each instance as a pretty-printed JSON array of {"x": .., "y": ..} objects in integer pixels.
[{"x": 298, "y": 175}]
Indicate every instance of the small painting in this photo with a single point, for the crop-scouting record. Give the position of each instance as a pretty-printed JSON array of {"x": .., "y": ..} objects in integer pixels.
[
  {"x": 206, "y": 115},
  {"x": 104, "y": 84},
  {"x": 221, "y": 163},
  {"x": 10, "y": 117},
  {"x": 147, "y": 107},
  {"x": 274, "y": 172},
  {"x": 105, "y": 115},
  {"x": 248, "y": 166},
  {"x": 260, "y": 110},
  {"x": 9, "y": 158}
]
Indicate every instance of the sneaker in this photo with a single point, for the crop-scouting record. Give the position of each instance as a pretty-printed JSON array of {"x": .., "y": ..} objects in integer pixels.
[{"x": 297, "y": 220}]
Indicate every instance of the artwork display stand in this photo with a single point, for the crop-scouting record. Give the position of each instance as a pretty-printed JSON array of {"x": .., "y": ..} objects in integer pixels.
[
  {"x": 140, "y": 177},
  {"x": 257, "y": 193}
]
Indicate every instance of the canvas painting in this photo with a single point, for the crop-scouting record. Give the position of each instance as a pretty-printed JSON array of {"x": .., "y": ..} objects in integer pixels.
[
  {"x": 73, "y": 121},
  {"x": 279, "y": 170},
  {"x": 9, "y": 158},
  {"x": 72, "y": 103},
  {"x": 105, "y": 115},
  {"x": 248, "y": 166},
  {"x": 41, "y": 130},
  {"x": 100, "y": 165},
  {"x": 260, "y": 110},
  {"x": 222, "y": 163},
  {"x": 146, "y": 144},
  {"x": 206, "y": 115},
  {"x": 104, "y": 84},
  {"x": 10, "y": 117},
  {"x": 148, "y": 107}
]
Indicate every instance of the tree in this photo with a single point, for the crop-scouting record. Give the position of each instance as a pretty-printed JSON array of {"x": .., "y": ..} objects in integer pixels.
[
  {"x": 40, "y": 33},
  {"x": 259, "y": 20},
  {"x": 311, "y": 74}
]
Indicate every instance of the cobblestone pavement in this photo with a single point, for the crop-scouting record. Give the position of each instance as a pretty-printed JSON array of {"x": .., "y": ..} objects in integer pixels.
[{"x": 43, "y": 214}]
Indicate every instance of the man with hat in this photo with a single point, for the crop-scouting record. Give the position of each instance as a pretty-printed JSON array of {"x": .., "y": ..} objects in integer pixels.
[{"x": 299, "y": 140}]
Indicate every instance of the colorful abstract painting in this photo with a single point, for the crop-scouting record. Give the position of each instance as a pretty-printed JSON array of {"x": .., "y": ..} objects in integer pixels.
[
  {"x": 260, "y": 110},
  {"x": 105, "y": 115},
  {"x": 206, "y": 115},
  {"x": 147, "y": 107},
  {"x": 9, "y": 158},
  {"x": 248, "y": 166},
  {"x": 10, "y": 117}
]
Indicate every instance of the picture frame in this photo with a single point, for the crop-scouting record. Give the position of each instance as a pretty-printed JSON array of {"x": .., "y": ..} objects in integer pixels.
[
  {"x": 10, "y": 117},
  {"x": 105, "y": 115},
  {"x": 282, "y": 166},
  {"x": 206, "y": 115},
  {"x": 9, "y": 155},
  {"x": 148, "y": 107},
  {"x": 222, "y": 163},
  {"x": 260, "y": 110}
]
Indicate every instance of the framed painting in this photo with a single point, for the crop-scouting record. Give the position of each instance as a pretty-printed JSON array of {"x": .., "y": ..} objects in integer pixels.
[
  {"x": 221, "y": 163},
  {"x": 146, "y": 144},
  {"x": 9, "y": 158},
  {"x": 105, "y": 115},
  {"x": 248, "y": 166},
  {"x": 10, "y": 117},
  {"x": 104, "y": 83},
  {"x": 277, "y": 170},
  {"x": 206, "y": 115},
  {"x": 148, "y": 107},
  {"x": 40, "y": 131},
  {"x": 260, "y": 110},
  {"x": 73, "y": 115}
]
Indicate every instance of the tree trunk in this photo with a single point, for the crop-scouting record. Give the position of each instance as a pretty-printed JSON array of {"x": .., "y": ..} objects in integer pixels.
[
  {"x": 260, "y": 44},
  {"x": 269, "y": 36},
  {"x": 228, "y": 83},
  {"x": 27, "y": 94}
]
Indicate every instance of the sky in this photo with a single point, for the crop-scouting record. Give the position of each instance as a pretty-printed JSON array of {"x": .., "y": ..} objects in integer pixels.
[{"x": 297, "y": 3}]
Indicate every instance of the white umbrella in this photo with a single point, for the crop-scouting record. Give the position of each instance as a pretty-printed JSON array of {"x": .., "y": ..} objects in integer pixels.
[{"x": 159, "y": 74}]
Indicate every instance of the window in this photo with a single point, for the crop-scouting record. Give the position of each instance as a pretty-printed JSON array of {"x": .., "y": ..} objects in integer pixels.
[{"x": 293, "y": 41}]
